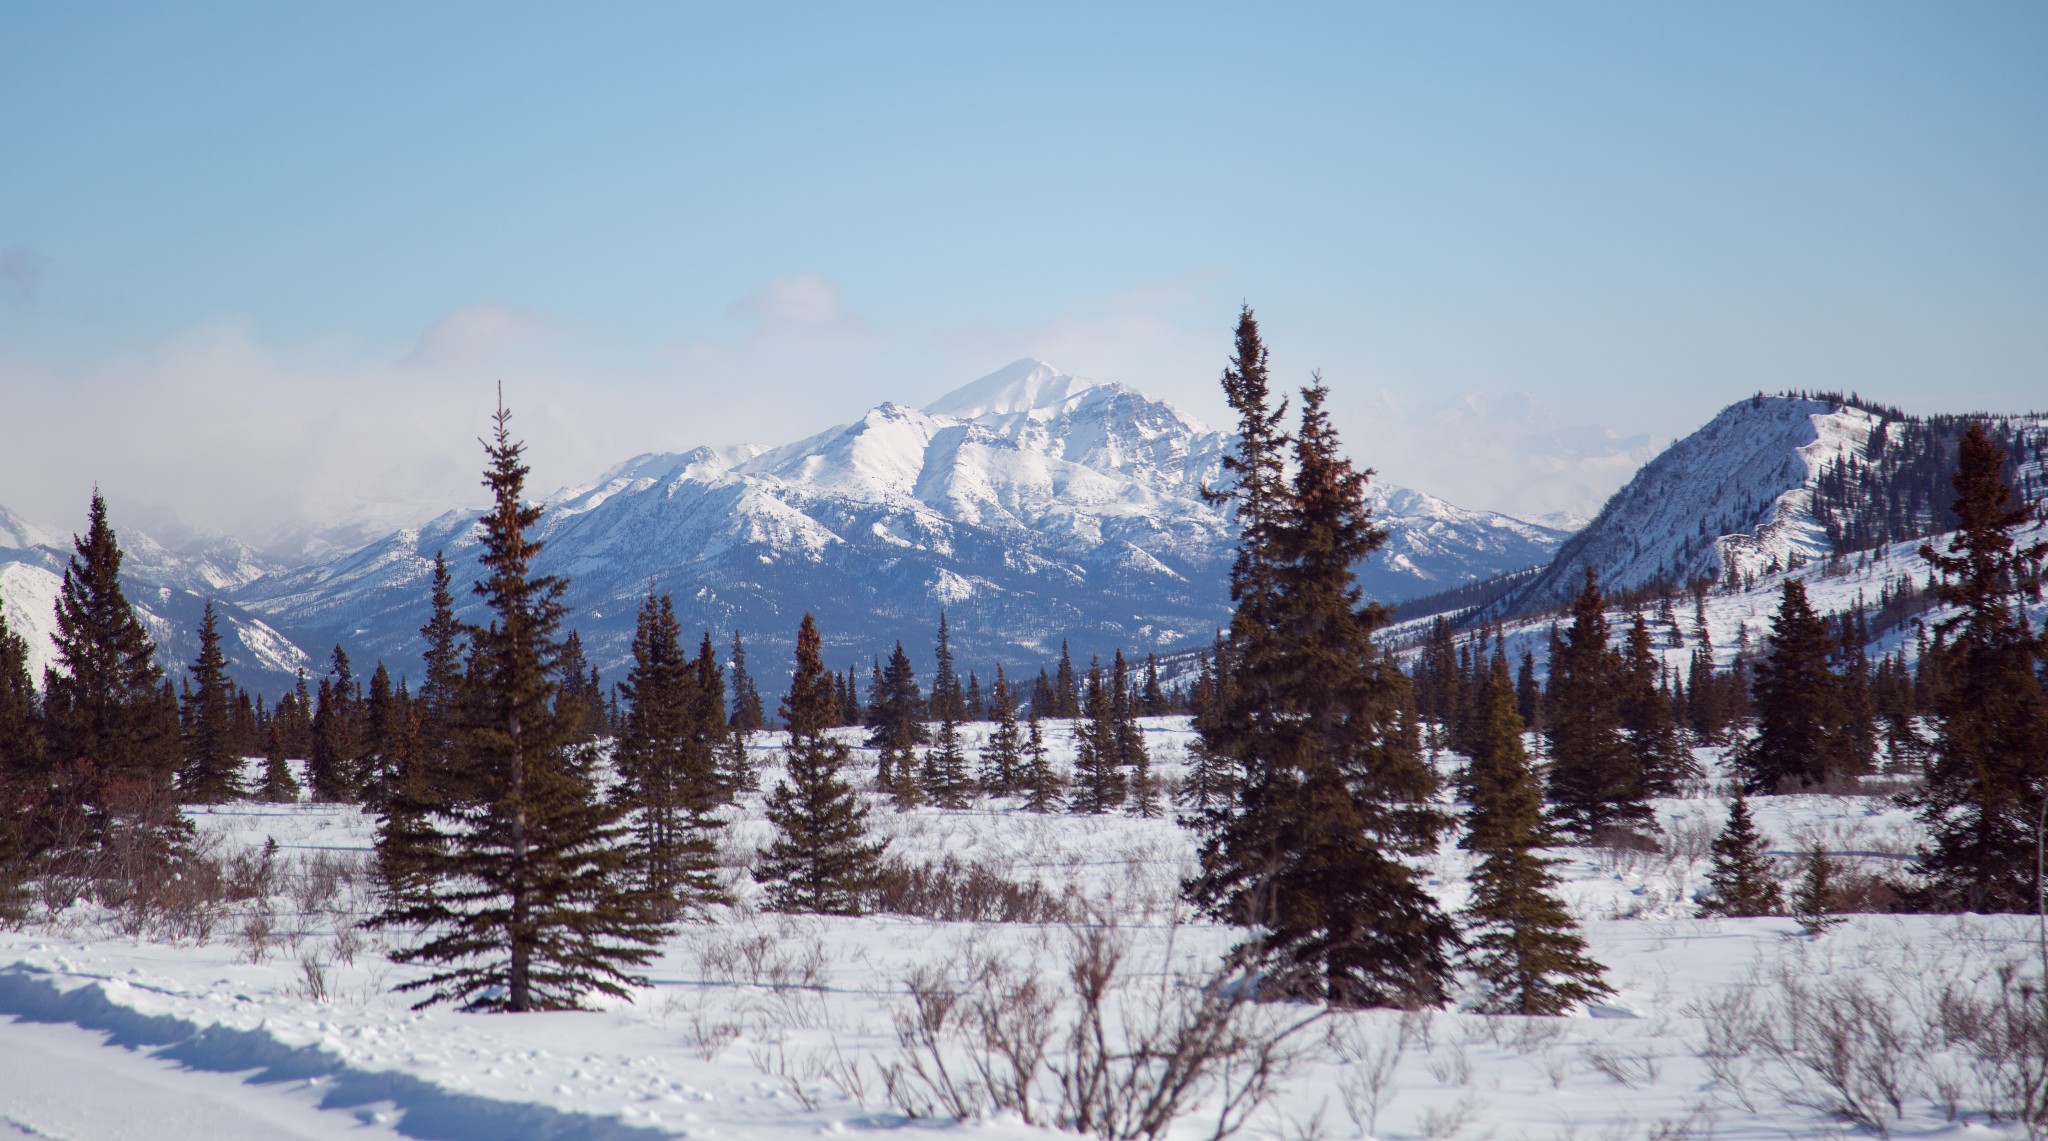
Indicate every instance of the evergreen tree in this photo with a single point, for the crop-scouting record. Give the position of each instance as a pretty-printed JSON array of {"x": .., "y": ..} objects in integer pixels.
[
  {"x": 1330, "y": 798},
  {"x": 1129, "y": 740},
  {"x": 23, "y": 780},
  {"x": 432, "y": 781},
  {"x": 1525, "y": 945},
  {"x": 279, "y": 785},
  {"x": 1066, "y": 688},
  {"x": 1647, "y": 718},
  {"x": 947, "y": 698},
  {"x": 1002, "y": 759},
  {"x": 1595, "y": 785},
  {"x": 579, "y": 693},
  {"x": 977, "y": 706},
  {"x": 896, "y": 727},
  {"x": 672, "y": 794},
  {"x": 821, "y": 860},
  {"x": 1989, "y": 772},
  {"x": 1799, "y": 742},
  {"x": 529, "y": 908},
  {"x": 1099, "y": 782},
  {"x": 1813, "y": 897},
  {"x": 21, "y": 729},
  {"x": 332, "y": 769},
  {"x": 946, "y": 781},
  {"x": 387, "y": 737},
  {"x": 1742, "y": 882},
  {"x": 1041, "y": 783},
  {"x": 212, "y": 772},
  {"x": 1528, "y": 694},
  {"x": 107, "y": 713},
  {"x": 748, "y": 716},
  {"x": 1153, "y": 703}
]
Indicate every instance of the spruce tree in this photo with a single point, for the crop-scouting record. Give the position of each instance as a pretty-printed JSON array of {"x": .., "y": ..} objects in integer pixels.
[
  {"x": 1153, "y": 703},
  {"x": 1596, "y": 787},
  {"x": 1799, "y": 717},
  {"x": 673, "y": 801},
  {"x": 748, "y": 715},
  {"x": 1330, "y": 796},
  {"x": 1132, "y": 757},
  {"x": 530, "y": 906},
  {"x": 107, "y": 714},
  {"x": 1742, "y": 881},
  {"x": 821, "y": 859},
  {"x": 1099, "y": 780},
  {"x": 1066, "y": 688},
  {"x": 1988, "y": 775},
  {"x": 1041, "y": 783},
  {"x": 279, "y": 785},
  {"x": 1002, "y": 759},
  {"x": 1813, "y": 897},
  {"x": 1524, "y": 944},
  {"x": 212, "y": 772},
  {"x": 945, "y": 777},
  {"x": 947, "y": 696},
  {"x": 23, "y": 780},
  {"x": 896, "y": 728},
  {"x": 1647, "y": 718}
]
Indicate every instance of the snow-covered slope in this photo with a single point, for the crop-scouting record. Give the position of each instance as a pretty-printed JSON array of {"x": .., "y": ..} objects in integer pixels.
[
  {"x": 1032, "y": 505},
  {"x": 1773, "y": 482}
]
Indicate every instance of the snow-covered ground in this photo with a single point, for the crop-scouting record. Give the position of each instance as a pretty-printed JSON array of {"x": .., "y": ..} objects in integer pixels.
[{"x": 758, "y": 1025}]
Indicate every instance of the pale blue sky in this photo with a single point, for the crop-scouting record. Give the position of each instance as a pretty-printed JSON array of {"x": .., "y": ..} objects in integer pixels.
[{"x": 1516, "y": 238}]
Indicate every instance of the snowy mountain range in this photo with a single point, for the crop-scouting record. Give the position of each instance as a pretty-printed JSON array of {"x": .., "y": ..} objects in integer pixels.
[{"x": 1033, "y": 506}]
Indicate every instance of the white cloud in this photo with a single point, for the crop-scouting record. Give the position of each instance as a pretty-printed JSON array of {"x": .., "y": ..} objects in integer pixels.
[{"x": 477, "y": 334}]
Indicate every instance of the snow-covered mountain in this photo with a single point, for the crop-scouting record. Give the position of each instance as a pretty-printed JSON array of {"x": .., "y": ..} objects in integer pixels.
[
  {"x": 1033, "y": 506},
  {"x": 169, "y": 587},
  {"x": 1773, "y": 482}
]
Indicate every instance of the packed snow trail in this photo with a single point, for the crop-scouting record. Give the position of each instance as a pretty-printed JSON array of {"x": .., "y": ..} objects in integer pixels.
[{"x": 62, "y": 1081}]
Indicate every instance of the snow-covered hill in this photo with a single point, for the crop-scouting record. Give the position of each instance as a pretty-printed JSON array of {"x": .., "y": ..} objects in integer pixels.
[
  {"x": 1033, "y": 506},
  {"x": 1745, "y": 494}
]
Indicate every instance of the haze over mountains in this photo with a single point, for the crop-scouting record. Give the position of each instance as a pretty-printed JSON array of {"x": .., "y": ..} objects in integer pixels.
[{"x": 1033, "y": 506}]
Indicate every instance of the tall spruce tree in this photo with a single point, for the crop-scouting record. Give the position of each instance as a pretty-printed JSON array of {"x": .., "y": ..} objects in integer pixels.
[
  {"x": 212, "y": 772},
  {"x": 108, "y": 715},
  {"x": 671, "y": 792},
  {"x": 1800, "y": 741},
  {"x": 1002, "y": 758},
  {"x": 1330, "y": 797},
  {"x": 1041, "y": 782},
  {"x": 1988, "y": 775},
  {"x": 748, "y": 715},
  {"x": 24, "y": 782},
  {"x": 1647, "y": 717},
  {"x": 821, "y": 859},
  {"x": 530, "y": 905},
  {"x": 1100, "y": 783},
  {"x": 1596, "y": 786},
  {"x": 1741, "y": 881},
  {"x": 1132, "y": 758},
  {"x": 1525, "y": 945},
  {"x": 896, "y": 728}
]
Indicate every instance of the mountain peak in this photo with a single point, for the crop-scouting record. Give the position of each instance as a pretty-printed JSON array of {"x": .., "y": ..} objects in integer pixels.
[{"x": 1020, "y": 386}]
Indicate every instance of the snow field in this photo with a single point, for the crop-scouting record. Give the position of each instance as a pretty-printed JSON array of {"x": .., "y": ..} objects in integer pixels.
[{"x": 755, "y": 1024}]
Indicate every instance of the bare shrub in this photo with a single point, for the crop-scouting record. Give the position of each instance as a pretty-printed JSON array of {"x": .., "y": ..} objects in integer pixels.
[
  {"x": 312, "y": 978},
  {"x": 1365, "y": 1083},
  {"x": 1634, "y": 1070},
  {"x": 1119, "y": 1060},
  {"x": 258, "y": 928},
  {"x": 974, "y": 893}
]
